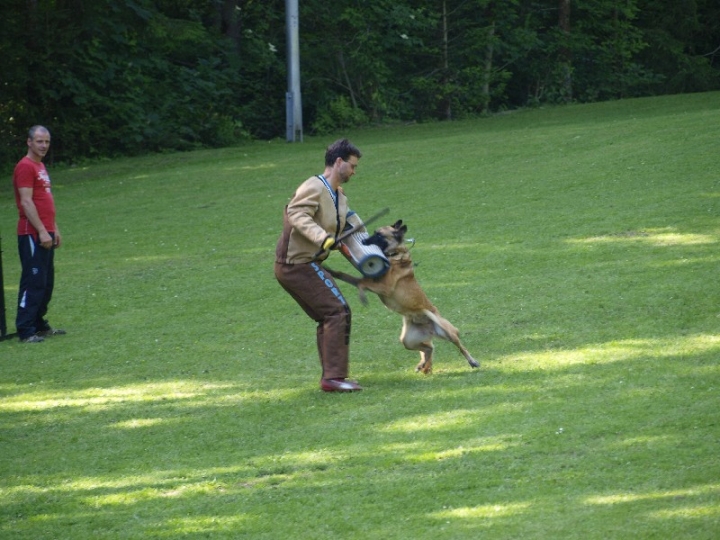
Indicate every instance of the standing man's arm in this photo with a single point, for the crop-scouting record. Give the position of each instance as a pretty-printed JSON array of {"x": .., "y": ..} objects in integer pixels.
[
  {"x": 28, "y": 206},
  {"x": 58, "y": 237}
]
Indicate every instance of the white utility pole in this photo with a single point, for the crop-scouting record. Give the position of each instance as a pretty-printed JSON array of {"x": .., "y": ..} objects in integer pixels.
[{"x": 293, "y": 99}]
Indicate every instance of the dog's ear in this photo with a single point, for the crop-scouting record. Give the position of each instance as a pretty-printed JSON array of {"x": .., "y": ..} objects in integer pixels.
[
  {"x": 398, "y": 224},
  {"x": 376, "y": 240}
]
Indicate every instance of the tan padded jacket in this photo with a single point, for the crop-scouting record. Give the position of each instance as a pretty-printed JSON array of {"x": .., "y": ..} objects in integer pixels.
[{"x": 310, "y": 217}]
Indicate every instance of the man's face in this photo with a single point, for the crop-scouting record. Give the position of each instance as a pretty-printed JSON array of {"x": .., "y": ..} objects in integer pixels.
[
  {"x": 347, "y": 168},
  {"x": 39, "y": 144}
]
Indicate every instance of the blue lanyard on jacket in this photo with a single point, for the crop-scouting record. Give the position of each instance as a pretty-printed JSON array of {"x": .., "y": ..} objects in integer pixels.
[{"x": 334, "y": 196}]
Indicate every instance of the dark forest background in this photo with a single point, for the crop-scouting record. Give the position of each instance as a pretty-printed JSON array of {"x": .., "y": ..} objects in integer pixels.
[{"x": 114, "y": 77}]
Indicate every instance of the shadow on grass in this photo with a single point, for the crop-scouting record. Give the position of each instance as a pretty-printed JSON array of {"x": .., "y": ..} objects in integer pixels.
[{"x": 610, "y": 440}]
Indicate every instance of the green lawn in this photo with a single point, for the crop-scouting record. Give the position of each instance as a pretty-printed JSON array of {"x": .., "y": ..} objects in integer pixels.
[{"x": 575, "y": 248}]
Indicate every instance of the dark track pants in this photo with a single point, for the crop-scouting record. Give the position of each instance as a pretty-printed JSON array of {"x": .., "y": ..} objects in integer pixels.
[
  {"x": 37, "y": 281},
  {"x": 318, "y": 295}
]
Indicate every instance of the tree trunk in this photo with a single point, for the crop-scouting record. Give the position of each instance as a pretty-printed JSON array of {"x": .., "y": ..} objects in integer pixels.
[
  {"x": 447, "y": 102},
  {"x": 346, "y": 76},
  {"x": 487, "y": 68},
  {"x": 230, "y": 20},
  {"x": 30, "y": 17},
  {"x": 565, "y": 52}
]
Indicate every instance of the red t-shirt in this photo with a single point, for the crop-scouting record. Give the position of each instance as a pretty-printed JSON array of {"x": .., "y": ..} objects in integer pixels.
[{"x": 30, "y": 174}]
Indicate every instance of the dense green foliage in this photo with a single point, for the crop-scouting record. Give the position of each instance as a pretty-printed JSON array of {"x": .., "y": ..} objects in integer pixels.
[{"x": 122, "y": 77}]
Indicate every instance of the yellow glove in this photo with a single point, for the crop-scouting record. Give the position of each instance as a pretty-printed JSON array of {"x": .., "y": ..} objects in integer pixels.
[{"x": 328, "y": 243}]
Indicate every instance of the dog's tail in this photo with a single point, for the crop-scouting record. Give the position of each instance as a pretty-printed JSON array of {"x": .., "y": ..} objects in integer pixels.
[
  {"x": 439, "y": 325},
  {"x": 445, "y": 330}
]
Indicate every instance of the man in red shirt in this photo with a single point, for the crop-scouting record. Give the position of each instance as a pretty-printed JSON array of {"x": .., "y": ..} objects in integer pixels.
[{"x": 38, "y": 237}]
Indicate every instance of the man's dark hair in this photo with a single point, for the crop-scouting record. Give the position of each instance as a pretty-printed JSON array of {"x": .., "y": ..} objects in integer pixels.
[{"x": 342, "y": 149}]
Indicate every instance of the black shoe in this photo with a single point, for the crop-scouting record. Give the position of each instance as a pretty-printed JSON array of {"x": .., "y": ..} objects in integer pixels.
[
  {"x": 51, "y": 332},
  {"x": 33, "y": 339}
]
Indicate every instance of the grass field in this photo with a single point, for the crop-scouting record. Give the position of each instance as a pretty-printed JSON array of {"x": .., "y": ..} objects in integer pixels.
[{"x": 575, "y": 248}]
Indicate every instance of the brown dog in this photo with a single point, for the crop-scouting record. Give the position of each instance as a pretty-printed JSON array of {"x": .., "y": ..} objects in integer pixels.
[{"x": 399, "y": 291}]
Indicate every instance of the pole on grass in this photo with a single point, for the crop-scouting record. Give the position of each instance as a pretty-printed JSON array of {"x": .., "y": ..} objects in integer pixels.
[{"x": 3, "y": 321}]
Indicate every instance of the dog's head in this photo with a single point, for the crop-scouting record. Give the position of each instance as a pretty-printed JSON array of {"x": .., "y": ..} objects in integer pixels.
[{"x": 388, "y": 238}]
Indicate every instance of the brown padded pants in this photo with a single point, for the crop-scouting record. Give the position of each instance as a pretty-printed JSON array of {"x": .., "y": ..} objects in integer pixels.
[{"x": 319, "y": 296}]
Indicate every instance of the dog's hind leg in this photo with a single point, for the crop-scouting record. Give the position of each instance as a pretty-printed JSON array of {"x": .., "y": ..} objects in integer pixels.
[
  {"x": 425, "y": 364},
  {"x": 418, "y": 337}
]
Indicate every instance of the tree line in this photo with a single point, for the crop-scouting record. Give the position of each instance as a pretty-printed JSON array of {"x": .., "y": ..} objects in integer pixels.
[{"x": 124, "y": 77}]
